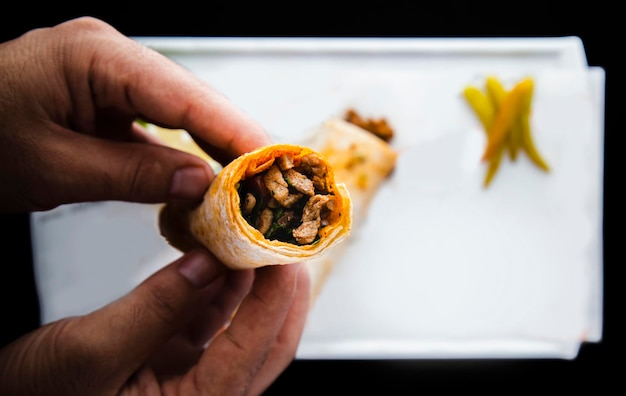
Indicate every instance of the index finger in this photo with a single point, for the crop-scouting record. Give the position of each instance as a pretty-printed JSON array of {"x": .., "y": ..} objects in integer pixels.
[
  {"x": 184, "y": 101},
  {"x": 130, "y": 75}
]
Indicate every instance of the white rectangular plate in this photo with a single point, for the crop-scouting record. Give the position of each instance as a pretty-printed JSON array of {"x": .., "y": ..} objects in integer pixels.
[{"x": 441, "y": 268}]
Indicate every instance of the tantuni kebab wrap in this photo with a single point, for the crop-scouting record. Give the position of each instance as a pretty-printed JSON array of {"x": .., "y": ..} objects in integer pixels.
[
  {"x": 362, "y": 160},
  {"x": 276, "y": 205}
]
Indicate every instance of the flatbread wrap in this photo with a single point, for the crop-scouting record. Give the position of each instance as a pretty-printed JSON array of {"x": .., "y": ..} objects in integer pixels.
[
  {"x": 278, "y": 204},
  {"x": 362, "y": 161}
]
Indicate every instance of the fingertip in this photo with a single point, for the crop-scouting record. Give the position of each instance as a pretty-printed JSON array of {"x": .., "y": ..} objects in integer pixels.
[
  {"x": 197, "y": 267},
  {"x": 304, "y": 278},
  {"x": 302, "y": 273},
  {"x": 190, "y": 182}
]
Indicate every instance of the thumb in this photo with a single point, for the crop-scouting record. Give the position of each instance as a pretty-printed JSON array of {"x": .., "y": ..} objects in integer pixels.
[
  {"x": 81, "y": 168},
  {"x": 128, "y": 331}
]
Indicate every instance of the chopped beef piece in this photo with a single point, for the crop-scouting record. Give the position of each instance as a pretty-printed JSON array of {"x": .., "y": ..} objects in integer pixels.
[
  {"x": 299, "y": 181},
  {"x": 311, "y": 220},
  {"x": 248, "y": 204},
  {"x": 306, "y": 232},
  {"x": 316, "y": 168},
  {"x": 265, "y": 221},
  {"x": 291, "y": 200},
  {"x": 314, "y": 206},
  {"x": 276, "y": 184},
  {"x": 284, "y": 162},
  {"x": 379, "y": 127},
  {"x": 326, "y": 211},
  {"x": 313, "y": 165}
]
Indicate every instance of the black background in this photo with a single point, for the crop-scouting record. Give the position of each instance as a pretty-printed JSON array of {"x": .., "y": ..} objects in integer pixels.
[{"x": 596, "y": 23}]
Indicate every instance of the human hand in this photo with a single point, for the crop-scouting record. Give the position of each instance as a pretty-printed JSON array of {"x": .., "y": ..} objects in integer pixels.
[
  {"x": 150, "y": 341},
  {"x": 69, "y": 98},
  {"x": 68, "y": 101}
]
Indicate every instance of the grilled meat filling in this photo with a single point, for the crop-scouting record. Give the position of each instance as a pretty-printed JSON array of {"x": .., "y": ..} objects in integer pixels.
[{"x": 289, "y": 201}]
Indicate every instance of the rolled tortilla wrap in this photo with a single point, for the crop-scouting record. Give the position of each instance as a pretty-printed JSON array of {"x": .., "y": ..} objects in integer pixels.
[
  {"x": 220, "y": 224},
  {"x": 362, "y": 162}
]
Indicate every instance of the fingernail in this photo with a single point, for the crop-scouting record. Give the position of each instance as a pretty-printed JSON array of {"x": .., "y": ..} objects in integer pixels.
[
  {"x": 190, "y": 182},
  {"x": 197, "y": 269}
]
